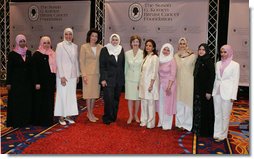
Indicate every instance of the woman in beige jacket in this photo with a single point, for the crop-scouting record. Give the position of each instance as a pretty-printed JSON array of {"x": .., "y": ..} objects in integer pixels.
[{"x": 89, "y": 65}]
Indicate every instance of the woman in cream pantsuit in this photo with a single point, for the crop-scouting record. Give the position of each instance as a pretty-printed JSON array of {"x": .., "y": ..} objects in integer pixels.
[
  {"x": 148, "y": 84},
  {"x": 224, "y": 91},
  {"x": 133, "y": 61},
  {"x": 185, "y": 60},
  {"x": 89, "y": 66},
  {"x": 67, "y": 78}
]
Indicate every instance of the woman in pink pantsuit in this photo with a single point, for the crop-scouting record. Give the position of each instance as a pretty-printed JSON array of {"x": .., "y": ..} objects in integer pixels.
[{"x": 166, "y": 106}]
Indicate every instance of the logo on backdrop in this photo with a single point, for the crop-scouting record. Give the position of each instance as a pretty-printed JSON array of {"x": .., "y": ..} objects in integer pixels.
[
  {"x": 135, "y": 11},
  {"x": 33, "y": 13}
]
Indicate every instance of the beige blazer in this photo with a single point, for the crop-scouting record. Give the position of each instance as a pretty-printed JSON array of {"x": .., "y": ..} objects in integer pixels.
[
  {"x": 227, "y": 84},
  {"x": 89, "y": 63}
]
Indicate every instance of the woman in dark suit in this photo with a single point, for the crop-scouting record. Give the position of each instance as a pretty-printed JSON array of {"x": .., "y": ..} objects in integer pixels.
[
  {"x": 111, "y": 77},
  {"x": 19, "y": 84},
  {"x": 203, "y": 110}
]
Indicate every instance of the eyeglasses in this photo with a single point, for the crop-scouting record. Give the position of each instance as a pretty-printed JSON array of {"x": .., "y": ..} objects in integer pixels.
[
  {"x": 46, "y": 43},
  {"x": 22, "y": 41}
]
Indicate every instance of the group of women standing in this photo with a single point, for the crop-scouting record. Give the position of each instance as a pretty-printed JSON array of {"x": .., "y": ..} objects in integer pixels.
[
  {"x": 184, "y": 84},
  {"x": 31, "y": 81}
]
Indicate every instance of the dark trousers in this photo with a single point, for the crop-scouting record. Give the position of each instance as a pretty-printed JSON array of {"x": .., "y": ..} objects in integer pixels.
[{"x": 111, "y": 97}]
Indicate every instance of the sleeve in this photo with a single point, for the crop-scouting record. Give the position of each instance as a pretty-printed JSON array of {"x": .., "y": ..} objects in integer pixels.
[
  {"x": 82, "y": 60},
  {"x": 126, "y": 65},
  {"x": 9, "y": 69},
  {"x": 77, "y": 62},
  {"x": 35, "y": 68},
  {"x": 235, "y": 77},
  {"x": 211, "y": 77},
  {"x": 172, "y": 76},
  {"x": 103, "y": 64},
  {"x": 155, "y": 67},
  {"x": 59, "y": 61}
]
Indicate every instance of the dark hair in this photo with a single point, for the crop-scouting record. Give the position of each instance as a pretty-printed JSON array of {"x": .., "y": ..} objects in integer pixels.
[
  {"x": 89, "y": 33},
  {"x": 154, "y": 48},
  {"x": 133, "y": 37}
]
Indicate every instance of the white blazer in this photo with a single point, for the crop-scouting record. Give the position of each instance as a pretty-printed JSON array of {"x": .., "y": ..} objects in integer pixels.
[
  {"x": 149, "y": 72},
  {"x": 67, "y": 60},
  {"x": 227, "y": 84}
]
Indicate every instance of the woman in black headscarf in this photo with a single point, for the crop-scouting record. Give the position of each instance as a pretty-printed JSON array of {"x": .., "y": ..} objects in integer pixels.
[{"x": 203, "y": 110}]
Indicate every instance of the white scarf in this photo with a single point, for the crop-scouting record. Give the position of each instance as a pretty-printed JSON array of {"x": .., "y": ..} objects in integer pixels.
[
  {"x": 65, "y": 31},
  {"x": 162, "y": 57},
  {"x": 114, "y": 50}
]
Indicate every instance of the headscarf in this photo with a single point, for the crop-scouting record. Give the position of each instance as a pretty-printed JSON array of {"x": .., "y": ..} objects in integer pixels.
[
  {"x": 65, "y": 31},
  {"x": 226, "y": 62},
  {"x": 18, "y": 49},
  {"x": 185, "y": 40},
  {"x": 51, "y": 54},
  {"x": 162, "y": 57},
  {"x": 201, "y": 59},
  {"x": 114, "y": 50}
]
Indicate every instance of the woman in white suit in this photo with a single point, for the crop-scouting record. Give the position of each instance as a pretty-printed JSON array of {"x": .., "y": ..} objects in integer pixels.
[
  {"x": 224, "y": 91},
  {"x": 149, "y": 84},
  {"x": 133, "y": 61},
  {"x": 67, "y": 78}
]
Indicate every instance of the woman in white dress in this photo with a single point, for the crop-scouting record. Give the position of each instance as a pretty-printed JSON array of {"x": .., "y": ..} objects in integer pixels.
[
  {"x": 149, "y": 84},
  {"x": 133, "y": 61},
  {"x": 67, "y": 78}
]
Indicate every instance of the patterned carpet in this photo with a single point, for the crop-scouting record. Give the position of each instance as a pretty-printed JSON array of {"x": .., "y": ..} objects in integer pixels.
[{"x": 14, "y": 141}]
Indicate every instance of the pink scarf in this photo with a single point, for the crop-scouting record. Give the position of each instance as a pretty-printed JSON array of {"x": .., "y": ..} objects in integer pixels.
[
  {"x": 49, "y": 52},
  {"x": 226, "y": 62},
  {"x": 18, "y": 49}
]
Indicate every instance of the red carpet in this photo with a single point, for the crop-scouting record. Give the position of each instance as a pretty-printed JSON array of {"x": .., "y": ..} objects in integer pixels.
[{"x": 85, "y": 137}]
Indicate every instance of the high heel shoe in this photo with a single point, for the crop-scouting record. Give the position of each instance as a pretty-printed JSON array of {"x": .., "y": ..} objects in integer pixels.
[
  {"x": 137, "y": 119},
  {"x": 129, "y": 120},
  {"x": 95, "y": 118},
  {"x": 90, "y": 119}
]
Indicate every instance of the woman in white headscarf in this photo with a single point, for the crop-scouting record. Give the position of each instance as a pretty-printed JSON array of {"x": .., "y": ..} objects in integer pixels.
[
  {"x": 185, "y": 60},
  {"x": 111, "y": 77},
  {"x": 19, "y": 84},
  {"x": 44, "y": 76},
  {"x": 67, "y": 78},
  {"x": 167, "y": 87}
]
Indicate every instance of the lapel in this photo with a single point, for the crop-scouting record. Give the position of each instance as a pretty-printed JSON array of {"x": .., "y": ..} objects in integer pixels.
[
  {"x": 91, "y": 51},
  {"x": 225, "y": 70}
]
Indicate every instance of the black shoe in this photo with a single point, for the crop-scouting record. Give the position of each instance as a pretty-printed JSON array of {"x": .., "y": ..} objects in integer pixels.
[{"x": 107, "y": 122}]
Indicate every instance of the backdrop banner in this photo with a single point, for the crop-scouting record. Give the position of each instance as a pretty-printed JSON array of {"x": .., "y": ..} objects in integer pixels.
[
  {"x": 239, "y": 37},
  {"x": 162, "y": 20},
  {"x": 35, "y": 19}
]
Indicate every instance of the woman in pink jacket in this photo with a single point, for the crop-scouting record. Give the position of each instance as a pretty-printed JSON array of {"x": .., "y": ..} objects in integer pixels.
[{"x": 167, "y": 87}]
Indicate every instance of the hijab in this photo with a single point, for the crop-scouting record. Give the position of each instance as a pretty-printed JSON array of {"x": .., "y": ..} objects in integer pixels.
[
  {"x": 162, "y": 57},
  {"x": 18, "y": 49},
  {"x": 201, "y": 59},
  {"x": 184, "y": 53},
  {"x": 226, "y": 62},
  {"x": 114, "y": 50},
  {"x": 65, "y": 31},
  {"x": 51, "y": 54}
]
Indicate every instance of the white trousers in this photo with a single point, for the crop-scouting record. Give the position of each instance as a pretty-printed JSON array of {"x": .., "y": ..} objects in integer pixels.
[
  {"x": 147, "y": 113},
  {"x": 222, "y": 110},
  {"x": 184, "y": 116}
]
